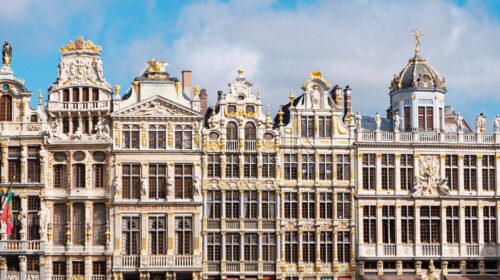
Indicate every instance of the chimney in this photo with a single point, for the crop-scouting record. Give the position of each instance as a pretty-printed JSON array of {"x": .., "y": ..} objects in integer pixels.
[
  {"x": 203, "y": 101},
  {"x": 186, "y": 82},
  {"x": 347, "y": 100}
]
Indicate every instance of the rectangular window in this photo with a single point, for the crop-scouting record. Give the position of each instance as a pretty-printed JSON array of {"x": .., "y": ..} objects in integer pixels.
[
  {"x": 343, "y": 205},
  {"x": 184, "y": 181},
  {"x": 451, "y": 171},
  {"x": 307, "y": 129},
  {"x": 406, "y": 169},
  {"x": 184, "y": 235},
  {"x": 16, "y": 209},
  {"x": 452, "y": 225},
  {"x": 99, "y": 268},
  {"x": 407, "y": 224},
  {"x": 32, "y": 263},
  {"x": 13, "y": 263},
  {"x": 268, "y": 166},
  {"x": 369, "y": 224},
  {"x": 490, "y": 225},
  {"x": 131, "y": 180},
  {"x": 250, "y": 204},
  {"x": 471, "y": 220},
  {"x": 388, "y": 224},
  {"x": 269, "y": 247},
  {"x": 34, "y": 164},
  {"x": 213, "y": 204},
  {"x": 232, "y": 204},
  {"x": 430, "y": 224},
  {"x": 213, "y": 166},
  {"x": 343, "y": 167},
  {"x": 291, "y": 167},
  {"x": 308, "y": 167},
  {"x": 232, "y": 247},
  {"x": 99, "y": 223},
  {"x": 291, "y": 247},
  {"x": 99, "y": 175},
  {"x": 251, "y": 245},
  {"x": 158, "y": 181},
  {"x": 388, "y": 169},
  {"x": 78, "y": 175},
  {"x": 291, "y": 205},
  {"x": 60, "y": 176},
  {"x": 407, "y": 118},
  {"x": 158, "y": 235},
  {"x": 14, "y": 160},
  {"x": 232, "y": 166},
  {"x": 250, "y": 167},
  {"x": 325, "y": 126},
  {"x": 344, "y": 246},
  {"x": 325, "y": 205},
  {"x": 488, "y": 163},
  {"x": 308, "y": 205},
  {"x": 78, "y": 223},
  {"x": 59, "y": 268},
  {"x": 326, "y": 246},
  {"x": 470, "y": 172},
  {"x": 33, "y": 219},
  {"x": 268, "y": 202},
  {"x": 441, "y": 118},
  {"x": 425, "y": 118},
  {"x": 369, "y": 171},
  {"x": 78, "y": 268},
  {"x": 325, "y": 167},
  {"x": 131, "y": 235},
  {"x": 309, "y": 246},
  {"x": 60, "y": 221},
  {"x": 214, "y": 245}
]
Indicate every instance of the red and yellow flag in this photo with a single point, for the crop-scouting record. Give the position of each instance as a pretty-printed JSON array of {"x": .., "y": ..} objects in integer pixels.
[{"x": 7, "y": 216}]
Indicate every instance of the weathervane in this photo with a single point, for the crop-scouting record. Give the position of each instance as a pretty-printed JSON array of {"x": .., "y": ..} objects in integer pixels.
[{"x": 417, "y": 33}]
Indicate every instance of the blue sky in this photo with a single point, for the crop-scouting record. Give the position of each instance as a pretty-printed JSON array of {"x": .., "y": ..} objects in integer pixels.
[{"x": 359, "y": 43}]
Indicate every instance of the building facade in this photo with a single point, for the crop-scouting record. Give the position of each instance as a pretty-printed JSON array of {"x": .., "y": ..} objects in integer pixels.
[{"x": 151, "y": 183}]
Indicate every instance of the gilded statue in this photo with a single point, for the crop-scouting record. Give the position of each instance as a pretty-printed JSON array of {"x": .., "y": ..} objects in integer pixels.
[{"x": 7, "y": 53}]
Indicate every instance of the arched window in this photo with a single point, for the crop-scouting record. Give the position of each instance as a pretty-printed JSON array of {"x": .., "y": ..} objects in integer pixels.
[
  {"x": 76, "y": 124},
  {"x": 250, "y": 131},
  {"x": 65, "y": 122},
  {"x": 232, "y": 131},
  {"x": 78, "y": 175},
  {"x": 95, "y": 94},
  {"x": 183, "y": 137},
  {"x": 85, "y": 125},
  {"x": 76, "y": 94},
  {"x": 85, "y": 94},
  {"x": 157, "y": 137},
  {"x": 66, "y": 95},
  {"x": 34, "y": 119},
  {"x": 130, "y": 136},
  {"x": 6, "y": 108}
]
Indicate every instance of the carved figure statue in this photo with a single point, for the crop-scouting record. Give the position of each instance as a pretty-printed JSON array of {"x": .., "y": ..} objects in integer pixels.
[
  {"x": 315, "y": 95},
  {"x": 378, "y": 121},
  {"x": 428, "y": 182},
  {"x": 22, "y": 217},
  {"x": 7, "y": 53},
  {"x": 496, "y": 123},
  {"x": 41, "y": 218},
  {"x": 397, "y": 121},
  {"x": 479, "y": 123},
  {"x": 170, "y": 186},
  {"x": 77, "y": 135},
  {"x": 88, "y": 227},
  {"x": 358, "y": 121},
  {"x": 98, "y": 69},
  {"x": 197, "y": 186},
  {"x": 459, "y": 120},
  {"x": 144, "y": 186},
  {"x": 117, "y": 185}
]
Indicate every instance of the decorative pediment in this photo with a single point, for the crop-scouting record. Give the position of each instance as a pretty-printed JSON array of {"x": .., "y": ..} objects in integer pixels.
[
  {"x": 156, "y": 107},
  {"x": 428, "y": 182}
]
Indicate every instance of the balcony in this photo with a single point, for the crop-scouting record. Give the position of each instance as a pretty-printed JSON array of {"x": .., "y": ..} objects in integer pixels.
[
  {"x": 250, "y": 145},
  {"x": 389, "y": 250},
  {"x": 99, "y": 277},
  {"x": 425, "y": 137},
  {"x": 232, "y": 224},
  {"x": 250, "y": 266},
  {"x": 157, "y": 261},
  {"x": 251, "y": 223},
  {"x": 58, "y": 277},
  {"x": 78, "y": 106},
  {"x": 472, "y": 250},
  {"x": 232, "y": 266},
  {"x": 22, "y": 246},
  {"x": 13, "y": 275},
  {"x": 232, "y": 145},
  {"x": 431, "y": 250},
  {"x": 213, "y": 224}
]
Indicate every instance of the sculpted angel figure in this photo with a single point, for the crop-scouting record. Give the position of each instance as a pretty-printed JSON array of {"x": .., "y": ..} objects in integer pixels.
[
  {"x": 397, "y": 121},
  {"x": 315, "y": 95},
  {"x": 144, "y": 186},
  {"x": 358, "y": 121},
  {"x": 459, "y": 120},
  {"x": 117, "y": 185},
  {"x": 479, "y": 123},
  {"x": 197, "y": 186},
  {"x": 496, "y": 123},
  {"x": 98, "y": 69},
  {"x": 170, "y": 186}
]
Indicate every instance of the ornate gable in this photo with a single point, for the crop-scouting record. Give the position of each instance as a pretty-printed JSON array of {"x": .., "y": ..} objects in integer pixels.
[{"x": 156, "y": 106}]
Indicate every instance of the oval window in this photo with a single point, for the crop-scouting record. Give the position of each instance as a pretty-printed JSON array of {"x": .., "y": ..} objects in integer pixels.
[{"x": 5, "y": 87}]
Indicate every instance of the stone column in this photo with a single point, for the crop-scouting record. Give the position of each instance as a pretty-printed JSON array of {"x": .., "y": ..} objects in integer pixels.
[
  {"x": 24, "y": 164},
  {"x": 259, "y": 247},
  {"x": 117, "y": 233},
  {"x": 242, "y": 213},
  {"x": 398, "y": 224},
  {"x": 460, "y": 173},
  {"x": 479, "y": 177},
  {"x": 299, "y": 206},
  {"x": 278, "y": 246},
  {"x": 299, "y": 167},
  {"x": 242, "y": 246},
  {"x": 318, "y": 244},
  {"x": 379, "y": 225},
  {"x": 24, "y": 215},
  {"x": 300, "y": 232},
  {"x": 334, "y": 198},
  {"x": 360, "y": 224},
  {"x": 222, "y": 209},
  {"x": 461, "y": 214},
  {"x": 443, "y": 224},
  {"x": 397, "y": 173},
  {"x": 22, "y": 267},
  {"x": 242, "y": 165},
  {"x": 223, "y": 245},
  {"x": 170, "y": 233},
  {"x": 197, "y": 233},
  {"x": 360, "y": 171},
  {"x": 69, "y": 224},
  {"x": 259, "y": 207},
  {"x": 316, "y": 207},
  {"x": 88, "y": 224},
  {"x": 204, "y": 255},
  {"x": 442, "y": 164},
  {"x": 417, "y": 224},
  {"x": 144, "y": 233},
  {"x": 88, "y": 268},
  {"x": 278, "y": 206},
  {"x": 5, "y": 170},
  {"x": 480, "y": 224},
  {"x": 378, "y": 170},
  {"x": 334, "y": 167},
  {"x": 335, "y": 241}
]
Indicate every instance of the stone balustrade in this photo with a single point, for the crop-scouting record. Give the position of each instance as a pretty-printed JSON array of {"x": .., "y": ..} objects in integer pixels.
[
  {"x": 78, "y": 106},
  {"x": 20, "y": 246},
  {"x": 157, "y": 261},
  {"x": 426, "y": 137}
]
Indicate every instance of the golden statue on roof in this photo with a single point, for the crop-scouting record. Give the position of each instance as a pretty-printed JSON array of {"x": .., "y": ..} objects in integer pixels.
[
  {"x": 417, "y": 33},
  {"x": 80, "y": 44},
  {"x": 156, "y": 66}
]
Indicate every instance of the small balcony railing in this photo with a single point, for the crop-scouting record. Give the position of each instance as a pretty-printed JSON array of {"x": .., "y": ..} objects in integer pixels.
[
  {"x": 98, "y": 277},
  {"x": 251, "y": 266},
  {"x": 431, "y": 250},
  {"x": 390, "y": 250},
  {"x": 213, "y": 266},
  {"x": 232, "y": 223},
  {"x": 21, "y": 246},
  {"x": 77, "y": 106},
  {"x": 232, "y": 266},
  {"x": 58, "y": 277},
  {"x": 213, "y": 224},
  {"x": 232, "y": 145},
  {"x": 251, "y": 223},
  {"x": 472, "y": 250},
  {"x": 250, "y": 145}
]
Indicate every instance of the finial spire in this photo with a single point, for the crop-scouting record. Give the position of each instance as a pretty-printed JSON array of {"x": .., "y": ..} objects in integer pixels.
[
  {"x": 240, "y": 72},
  {"x": 417, "y": 33},
  {"x": 39, "y": 97},
  {"x": 291, "y": 97}
]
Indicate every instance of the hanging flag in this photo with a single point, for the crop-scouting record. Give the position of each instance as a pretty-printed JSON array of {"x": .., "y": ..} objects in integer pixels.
[{"x": 7, "y": 216}]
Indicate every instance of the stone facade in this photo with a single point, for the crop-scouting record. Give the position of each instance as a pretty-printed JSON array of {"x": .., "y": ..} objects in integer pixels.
[{"x": 153, "y": 184}]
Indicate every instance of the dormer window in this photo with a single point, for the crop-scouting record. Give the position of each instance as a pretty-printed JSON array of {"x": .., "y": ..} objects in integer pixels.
[
  {"x": 241, "y": 97},
  {"x": 34, "y": 119},
  {"x": 425, "y": 118},
  {"x": 231, "y": 109},
  {"x": 250, "y": 109},
  {"x": 6, "y": 108}
]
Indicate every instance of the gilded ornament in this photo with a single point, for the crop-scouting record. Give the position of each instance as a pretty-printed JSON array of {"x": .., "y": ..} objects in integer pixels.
[
  {"x": 117, "y": 89},
  {"x": 79, "y": 44}
]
